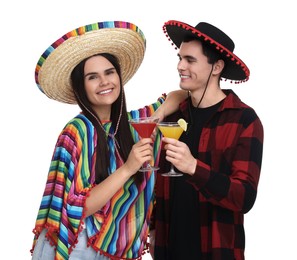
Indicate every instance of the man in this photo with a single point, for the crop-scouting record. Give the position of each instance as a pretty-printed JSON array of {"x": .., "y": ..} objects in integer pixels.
[{"x": 200, "y": 215}]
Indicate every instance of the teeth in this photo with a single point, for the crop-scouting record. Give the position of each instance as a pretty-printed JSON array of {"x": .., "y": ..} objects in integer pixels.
[
  {"x": 184, "y": 77},
  {"x": 105, "y": 91}
]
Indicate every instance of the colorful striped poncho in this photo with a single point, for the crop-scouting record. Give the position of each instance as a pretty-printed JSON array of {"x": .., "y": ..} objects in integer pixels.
[{"x": 119, "y": 230}]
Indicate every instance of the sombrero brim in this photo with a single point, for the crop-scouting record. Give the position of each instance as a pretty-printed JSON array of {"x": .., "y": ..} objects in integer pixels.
[
  {"x": 124, "y": 40},
  {"x": 235, "y": 69}
]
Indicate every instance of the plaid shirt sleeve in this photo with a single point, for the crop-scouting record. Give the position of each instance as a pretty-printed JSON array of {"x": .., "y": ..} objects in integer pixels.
[{"x": 228, "y": 170}]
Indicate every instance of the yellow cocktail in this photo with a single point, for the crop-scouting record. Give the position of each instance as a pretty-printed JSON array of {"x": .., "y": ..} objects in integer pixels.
[{"x": 171, "y": 130}]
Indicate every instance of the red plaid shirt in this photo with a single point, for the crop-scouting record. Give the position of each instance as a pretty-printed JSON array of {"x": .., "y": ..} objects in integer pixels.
[{"x": 226, "y": 180}]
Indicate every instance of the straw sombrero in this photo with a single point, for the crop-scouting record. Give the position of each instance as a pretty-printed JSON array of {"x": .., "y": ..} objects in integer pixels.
[
  {"x": 235, "y": 68},
  {"x": 122, "y": 39}
]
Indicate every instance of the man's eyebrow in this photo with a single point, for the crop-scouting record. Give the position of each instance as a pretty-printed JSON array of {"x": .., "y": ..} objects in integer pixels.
[{"x": 187, "y": 57}]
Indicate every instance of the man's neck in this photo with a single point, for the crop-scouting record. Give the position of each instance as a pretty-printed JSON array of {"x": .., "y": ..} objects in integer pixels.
[{"x": 211, "y": 97}]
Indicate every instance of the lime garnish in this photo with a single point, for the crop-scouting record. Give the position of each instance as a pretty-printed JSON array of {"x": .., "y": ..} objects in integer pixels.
[{"x": 183, "y": 124}]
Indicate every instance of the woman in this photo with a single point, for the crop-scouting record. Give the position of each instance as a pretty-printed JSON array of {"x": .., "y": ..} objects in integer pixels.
[{"x": 96, "y": 205}]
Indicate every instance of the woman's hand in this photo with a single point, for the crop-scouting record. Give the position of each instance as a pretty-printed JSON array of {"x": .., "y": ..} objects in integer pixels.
[{"x": 141, "y": 152}]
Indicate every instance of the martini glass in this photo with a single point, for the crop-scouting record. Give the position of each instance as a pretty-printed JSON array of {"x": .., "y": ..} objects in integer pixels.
[
  {"x": 145, "y": 126},
  {"x": 171, "y": 130}
]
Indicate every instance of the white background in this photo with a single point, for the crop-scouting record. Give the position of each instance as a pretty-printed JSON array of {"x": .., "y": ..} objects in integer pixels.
[{"x": 265, "y": 38}]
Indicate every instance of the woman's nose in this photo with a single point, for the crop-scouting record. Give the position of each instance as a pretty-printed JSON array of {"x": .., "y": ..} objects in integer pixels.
[{"x": 103, "y": 82}]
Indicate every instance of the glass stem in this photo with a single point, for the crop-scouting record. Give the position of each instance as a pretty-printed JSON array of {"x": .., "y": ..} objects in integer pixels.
[
  {"x": 145, "y": 165},
  {"x": 172, "y": 169}
]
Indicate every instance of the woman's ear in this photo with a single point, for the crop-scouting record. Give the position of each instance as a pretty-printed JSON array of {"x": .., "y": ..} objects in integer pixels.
[{"x": 218, "y": 67}]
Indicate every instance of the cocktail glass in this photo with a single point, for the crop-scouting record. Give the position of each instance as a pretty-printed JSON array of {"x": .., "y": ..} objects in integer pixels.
[
  {"x": 145, "y": 127},
  {"x": 171, "y": 130}
]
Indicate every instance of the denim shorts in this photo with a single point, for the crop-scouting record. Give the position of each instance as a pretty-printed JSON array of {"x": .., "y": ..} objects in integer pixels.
[{"x": 44, "y": 251}]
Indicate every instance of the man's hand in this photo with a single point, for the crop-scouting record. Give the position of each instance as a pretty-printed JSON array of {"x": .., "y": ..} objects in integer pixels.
[{"x": 179, "y": 154}]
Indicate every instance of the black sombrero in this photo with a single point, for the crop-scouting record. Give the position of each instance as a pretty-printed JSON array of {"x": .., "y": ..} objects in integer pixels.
[{"x": 235, "y": 68}]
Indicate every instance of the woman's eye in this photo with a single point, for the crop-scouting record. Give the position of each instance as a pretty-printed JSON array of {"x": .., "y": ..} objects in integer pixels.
[
  {"x": 109, "y": 72},
  {"x": 92, "y": 77}
]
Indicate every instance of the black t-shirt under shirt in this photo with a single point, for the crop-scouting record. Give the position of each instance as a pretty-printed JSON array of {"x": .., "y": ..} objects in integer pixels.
[{"x": 184, "y": 233}]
